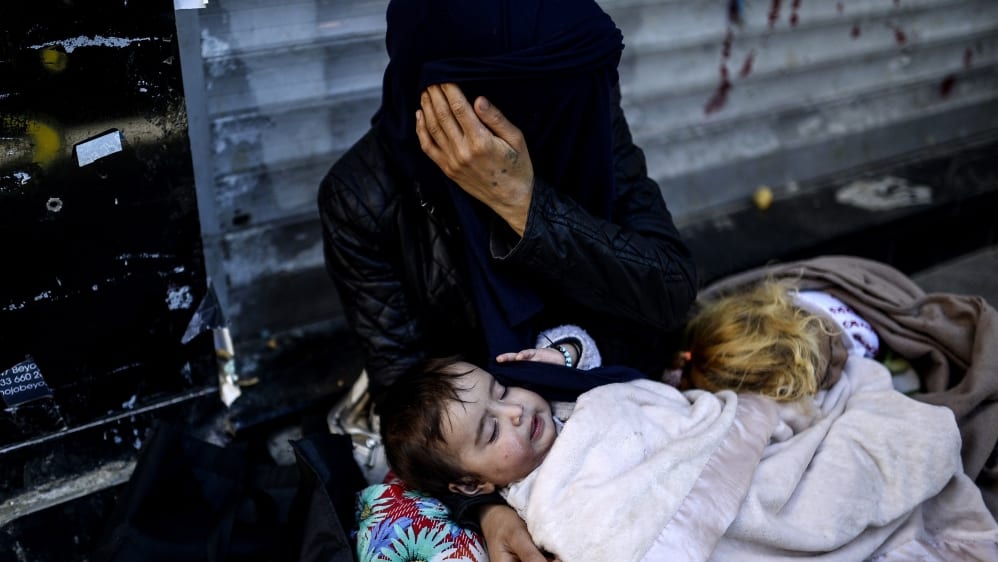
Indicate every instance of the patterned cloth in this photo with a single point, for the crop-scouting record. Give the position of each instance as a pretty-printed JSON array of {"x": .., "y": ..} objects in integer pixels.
[
  {"x": 398, "y": 524},
  {"x": 855, "y": 327}
]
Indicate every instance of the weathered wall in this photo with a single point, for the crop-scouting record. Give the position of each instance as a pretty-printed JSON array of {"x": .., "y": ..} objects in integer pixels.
[
  {"x": 101, "y": 259},
  {"x": 724, "y": 96}
]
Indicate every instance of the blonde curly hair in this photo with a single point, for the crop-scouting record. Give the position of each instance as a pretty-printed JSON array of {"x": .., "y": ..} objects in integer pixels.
[{"x": 757, "y": 340}]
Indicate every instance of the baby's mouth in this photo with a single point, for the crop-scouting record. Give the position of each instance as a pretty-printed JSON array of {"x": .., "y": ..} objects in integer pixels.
[{"x": 536, "y": 425}]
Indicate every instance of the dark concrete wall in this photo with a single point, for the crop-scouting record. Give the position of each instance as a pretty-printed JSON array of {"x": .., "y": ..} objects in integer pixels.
[{"x": 100, "y": 244}]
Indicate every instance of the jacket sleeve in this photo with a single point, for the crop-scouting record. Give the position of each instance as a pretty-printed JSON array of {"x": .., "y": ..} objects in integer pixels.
[
  {"x": 589, "y": 355},
  {"x": 358, "y": 257},
  {"x": 635, "y": 266}
]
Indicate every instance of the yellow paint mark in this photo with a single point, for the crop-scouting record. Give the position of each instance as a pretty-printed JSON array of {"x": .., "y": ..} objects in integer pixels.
[
  {"x": 47, "y": 142},
  {"x": 54, "y": 60},
  {"x": 763, "y": 198}
]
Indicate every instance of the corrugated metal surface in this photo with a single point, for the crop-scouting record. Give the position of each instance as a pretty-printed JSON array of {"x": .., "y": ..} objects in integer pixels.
[
  {"x": 723, "y": 97},
  {"x": 799, "y": 90}
]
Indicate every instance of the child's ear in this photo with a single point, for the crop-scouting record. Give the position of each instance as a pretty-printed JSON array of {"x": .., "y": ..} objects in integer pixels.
[{"x": 469, "y": 487}]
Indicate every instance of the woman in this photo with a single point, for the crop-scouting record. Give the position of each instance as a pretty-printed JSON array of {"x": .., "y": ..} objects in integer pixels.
[{"x": 499, "y": 192}]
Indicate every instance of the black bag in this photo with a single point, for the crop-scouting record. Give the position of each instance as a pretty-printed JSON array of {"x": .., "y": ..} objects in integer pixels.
[
  {"x": 189, "y": 500},
  {"x": 327, "y": 497}
]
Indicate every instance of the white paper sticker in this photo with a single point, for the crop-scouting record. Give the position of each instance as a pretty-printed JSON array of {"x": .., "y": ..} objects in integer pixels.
[
  {"x": 89, "y": 151},
  {"x": 189, "y": 4}
]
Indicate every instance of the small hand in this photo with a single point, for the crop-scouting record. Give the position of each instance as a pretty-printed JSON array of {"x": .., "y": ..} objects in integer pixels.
[
  {"x": 506, "y": 536},
  {"x": 539, "y": 354},
  {"x": 479, "y": 149}
]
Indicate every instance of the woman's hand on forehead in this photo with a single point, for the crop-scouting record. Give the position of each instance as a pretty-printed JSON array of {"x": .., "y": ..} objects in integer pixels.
[{"x": 479, "y": 149}]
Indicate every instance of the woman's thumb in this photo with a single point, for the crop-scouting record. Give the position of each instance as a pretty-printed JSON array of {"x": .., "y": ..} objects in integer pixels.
[{"x": 497, "y": 122}]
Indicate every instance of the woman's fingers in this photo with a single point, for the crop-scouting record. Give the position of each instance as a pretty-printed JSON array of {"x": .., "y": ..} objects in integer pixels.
[
  {"x": 426, "y": 141},
  {"x": 432, "y": 139},
  {"x": 459, "y": 108},
  {"x": 444, "y": 115},
  {"x": 441, "y": 130}
]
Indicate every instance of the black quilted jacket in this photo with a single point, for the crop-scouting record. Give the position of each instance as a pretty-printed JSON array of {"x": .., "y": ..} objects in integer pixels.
[{"x": 391, "y": 253}]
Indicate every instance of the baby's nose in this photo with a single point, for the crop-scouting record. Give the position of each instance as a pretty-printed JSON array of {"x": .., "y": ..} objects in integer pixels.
[{"x": 514, "y": 412}]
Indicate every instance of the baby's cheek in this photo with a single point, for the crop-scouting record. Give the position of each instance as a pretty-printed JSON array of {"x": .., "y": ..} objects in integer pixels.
[
  {"x": 513, "y": 450},
  {"x": 520, "y": 458}
]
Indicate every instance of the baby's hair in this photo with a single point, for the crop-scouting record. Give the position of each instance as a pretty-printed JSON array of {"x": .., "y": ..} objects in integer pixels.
[
  {"x": 756, "y": 340},
  {"x": 413, "y": 411}
]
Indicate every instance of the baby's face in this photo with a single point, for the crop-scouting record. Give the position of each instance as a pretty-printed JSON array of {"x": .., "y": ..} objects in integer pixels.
[{"x": 499, "y": 433}]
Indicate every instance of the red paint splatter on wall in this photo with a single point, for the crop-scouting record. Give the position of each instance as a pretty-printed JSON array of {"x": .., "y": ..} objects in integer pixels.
[
  {"x": 795, "y": 13},
  {"x": 774, "y": 12},
  {"x": 900, "y": 37},
  {"x": 968, "y": 57},
  {"x": 747, "y": 65},
  {"x": 856, "y": 31},
  {"x": 946, "y": 87},
  {"x": 720, "y": 97}
]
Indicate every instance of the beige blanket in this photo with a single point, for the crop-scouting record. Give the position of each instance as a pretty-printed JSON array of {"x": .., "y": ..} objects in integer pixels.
[
  {"x": 950, "y": 339},
  {"x": 644, "y": 472}
]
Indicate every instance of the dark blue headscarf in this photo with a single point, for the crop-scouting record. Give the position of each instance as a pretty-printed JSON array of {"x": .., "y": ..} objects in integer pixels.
[{"x": 550, "y": 67}]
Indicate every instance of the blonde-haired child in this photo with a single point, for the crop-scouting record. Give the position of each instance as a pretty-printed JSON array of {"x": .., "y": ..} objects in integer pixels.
[{"x": 773, "y": 340}]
